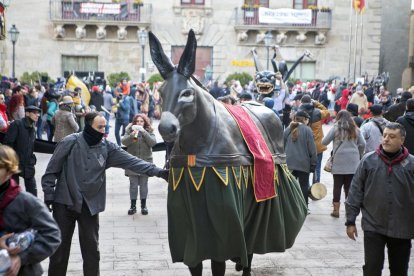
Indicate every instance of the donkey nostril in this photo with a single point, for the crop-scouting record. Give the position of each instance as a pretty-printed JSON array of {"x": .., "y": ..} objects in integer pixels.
[{"x": 173, "y": 128}]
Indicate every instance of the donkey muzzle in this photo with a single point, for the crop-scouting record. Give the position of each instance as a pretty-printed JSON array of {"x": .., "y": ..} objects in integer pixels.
[{"x": 169, "y": 126}]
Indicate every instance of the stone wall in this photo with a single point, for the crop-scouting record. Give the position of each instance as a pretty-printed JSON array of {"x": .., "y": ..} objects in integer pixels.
[{"x": 39, "y": 50}]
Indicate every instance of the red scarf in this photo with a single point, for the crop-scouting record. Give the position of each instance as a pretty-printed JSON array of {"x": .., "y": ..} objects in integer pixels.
[
  {"x": 391, "y": 162},
  {"x": 9, "y": 195}
]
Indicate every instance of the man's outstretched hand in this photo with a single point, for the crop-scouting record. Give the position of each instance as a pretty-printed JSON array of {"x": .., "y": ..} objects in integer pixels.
[
  {"x": 164, "y": 174},
  {"x": 49, "y": 205}
]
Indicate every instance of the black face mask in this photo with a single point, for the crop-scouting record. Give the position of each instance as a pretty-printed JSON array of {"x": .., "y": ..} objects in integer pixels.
[{"x": 92, "y": 137}]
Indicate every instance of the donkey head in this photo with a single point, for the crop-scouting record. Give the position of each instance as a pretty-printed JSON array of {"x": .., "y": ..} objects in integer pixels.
[{"x": 178, "y": 91}]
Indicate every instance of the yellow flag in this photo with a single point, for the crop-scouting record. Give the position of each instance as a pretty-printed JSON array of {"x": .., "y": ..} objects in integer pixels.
[{"x": 74, "y": 82}]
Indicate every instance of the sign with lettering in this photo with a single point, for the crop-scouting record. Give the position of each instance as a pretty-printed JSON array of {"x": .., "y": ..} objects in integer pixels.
[
  {"x": 242, "y": 63},
  {"x": 100, "y": 8},
  {"x": 285, "y": 16}
]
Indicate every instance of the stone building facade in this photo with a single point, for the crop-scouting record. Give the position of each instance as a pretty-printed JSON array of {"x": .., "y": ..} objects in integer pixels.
[{"x": 54, "y": 38}]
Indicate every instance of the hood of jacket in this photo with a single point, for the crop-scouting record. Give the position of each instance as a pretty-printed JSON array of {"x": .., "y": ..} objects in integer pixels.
[{"x": 409, "y": 115}]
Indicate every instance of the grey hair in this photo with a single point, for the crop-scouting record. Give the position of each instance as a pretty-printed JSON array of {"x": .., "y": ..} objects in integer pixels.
[{"x": 393, "y": 125}]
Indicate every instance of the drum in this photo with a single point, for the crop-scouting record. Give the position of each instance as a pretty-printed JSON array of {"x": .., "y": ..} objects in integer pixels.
[{"x": 317, "y": 191}]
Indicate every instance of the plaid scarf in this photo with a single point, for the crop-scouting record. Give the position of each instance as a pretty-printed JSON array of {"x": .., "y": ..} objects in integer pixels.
[{"x": 395, "y": 160}]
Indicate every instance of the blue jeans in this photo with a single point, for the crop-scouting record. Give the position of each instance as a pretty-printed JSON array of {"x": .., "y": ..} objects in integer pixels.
[
  {"x": 317, "y": 173},
  {"x": 107, "y": 117},
  {"x": 118, "y": 125}
]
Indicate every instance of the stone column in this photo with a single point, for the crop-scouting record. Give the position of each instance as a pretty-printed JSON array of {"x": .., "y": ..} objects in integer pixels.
[{"x": 408, "y": 74}]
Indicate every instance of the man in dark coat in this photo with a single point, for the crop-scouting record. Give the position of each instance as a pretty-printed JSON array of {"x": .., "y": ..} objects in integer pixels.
[
  {"x": 97, "y": 98},
  {"x": 21, "y": 136},
  {"x": 408, "y": 122},
  {"x": 398, "y": 109},
  {"x": 216, "y": 91}
]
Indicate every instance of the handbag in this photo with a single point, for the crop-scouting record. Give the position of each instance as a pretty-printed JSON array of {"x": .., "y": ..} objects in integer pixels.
[{"x": 329, "y": 162}]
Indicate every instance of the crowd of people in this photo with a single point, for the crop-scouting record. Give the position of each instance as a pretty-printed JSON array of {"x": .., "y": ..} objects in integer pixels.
[
  {"x": 371, "y": 157},
  {"x": 371, "y": 129}
]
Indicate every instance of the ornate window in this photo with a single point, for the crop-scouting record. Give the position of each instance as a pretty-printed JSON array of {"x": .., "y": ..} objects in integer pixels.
[
  {"x": 304, "y": 4},
  {"x": 305, "y": 71}
]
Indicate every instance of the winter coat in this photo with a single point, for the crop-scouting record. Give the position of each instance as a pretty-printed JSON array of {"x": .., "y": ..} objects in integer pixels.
[
  {"x": 141, "y": 147},
  {"x": 21, "y": 136},
  {"x": 124, "y": 109},
  {"x": 343, "y": 101},
  {"x": 97, "y": 100},
  {"x": 372, "y": 133},
  {"x": 76, "y": 172},
  {"x": 317, "y": 113},
  {"x": 65, "y": 124},
  {"x": 347, "y": 154},
  {"x": 52, "y": 107},
  {"x": 360, "y": 100},
  {"x": 408, "y": 122},
  {"x": 27, "y": 211},
  {"x": 3, "y": 114},
  {"x": 300, "y": 155},
  {"x": 385, "y": 199},
  {"x": 395, "y": 111}
]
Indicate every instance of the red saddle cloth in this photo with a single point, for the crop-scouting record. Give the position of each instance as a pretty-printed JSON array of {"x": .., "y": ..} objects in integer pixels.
[{"x": 264, "y": 167}]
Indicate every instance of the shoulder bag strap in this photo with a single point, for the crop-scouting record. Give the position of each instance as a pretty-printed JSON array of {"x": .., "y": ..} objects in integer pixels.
[
  {"x": 333, "y": 154},
  {"x": 378, "y": 125}
]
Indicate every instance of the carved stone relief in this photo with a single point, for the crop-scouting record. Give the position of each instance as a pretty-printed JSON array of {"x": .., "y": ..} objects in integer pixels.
[
  {"x": 122, "y": 33},
  {"x": 320, "y": 38},
  {"x": 301, "y": 37},
  {"x": 281, "y": 38},
  {"x": 60, "y": 31},
  {"x": 242, "y": 36},
  {"x": 101, "y": 32},
  {"x": 80, "y": 32},
  {"x": 193, "y": 19}
]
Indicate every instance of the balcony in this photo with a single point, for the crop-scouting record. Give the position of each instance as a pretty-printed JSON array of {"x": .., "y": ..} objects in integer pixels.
[
  {"x": 78, "y": 19},
  {"x": 247, "y": 22}
]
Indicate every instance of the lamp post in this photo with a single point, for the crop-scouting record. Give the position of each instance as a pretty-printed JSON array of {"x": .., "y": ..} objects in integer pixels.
[
  {"x": 14, "y": 35},
  {"x": 268, "y": 41},
  {"x": 142, "y": 36}
]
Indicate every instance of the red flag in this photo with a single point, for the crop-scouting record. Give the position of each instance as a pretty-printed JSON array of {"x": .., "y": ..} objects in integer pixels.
[{"x": 359, "y": 5}]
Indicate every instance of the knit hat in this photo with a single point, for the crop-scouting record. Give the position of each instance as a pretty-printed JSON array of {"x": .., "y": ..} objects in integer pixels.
[
  {"x": 302, "y": 113},
  {"x": 95, "y": 88},
  {"x": 376, "y": 109},
  {"x": 352, "y": 108}
]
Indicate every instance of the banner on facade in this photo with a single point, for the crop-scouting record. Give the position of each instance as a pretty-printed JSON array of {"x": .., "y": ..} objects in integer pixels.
[
  {"x": 100, "y": 8},
  {"x": 285, "y": 16},
  {"x": 242, "y": 63}
]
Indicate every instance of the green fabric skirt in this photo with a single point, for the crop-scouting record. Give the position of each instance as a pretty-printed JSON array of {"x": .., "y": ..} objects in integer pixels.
[{"x": 213, "y": 214}]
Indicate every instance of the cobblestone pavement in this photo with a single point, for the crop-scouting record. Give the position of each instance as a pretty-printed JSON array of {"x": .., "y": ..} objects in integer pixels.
[{"x": 138, "y": 245}]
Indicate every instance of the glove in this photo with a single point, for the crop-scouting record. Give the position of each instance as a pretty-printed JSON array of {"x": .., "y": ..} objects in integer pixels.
[
  {"x": 49, "y": 205},
  {"x": 164, "y": 174},
  {"x": 140, "y": 128},
  {"x": 312, "y": 168}
]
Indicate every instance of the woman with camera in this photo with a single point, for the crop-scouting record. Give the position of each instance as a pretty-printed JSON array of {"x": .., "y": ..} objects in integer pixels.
[{"x": 139, "y": 139}]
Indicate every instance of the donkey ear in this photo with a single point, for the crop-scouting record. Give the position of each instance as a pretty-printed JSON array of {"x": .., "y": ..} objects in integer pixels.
[
  {"x": 186, "y": 66},
  {"x": 163, "y": 63}
]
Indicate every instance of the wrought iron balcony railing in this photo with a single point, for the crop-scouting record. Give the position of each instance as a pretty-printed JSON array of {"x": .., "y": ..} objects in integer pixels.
[
  {"x": 321, "y": 19},
  {"x": 78, "y": 10}
]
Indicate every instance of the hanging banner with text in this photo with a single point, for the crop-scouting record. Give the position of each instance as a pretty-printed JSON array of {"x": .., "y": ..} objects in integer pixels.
[
  {"x": 100, "y": 8},
  {"x": 285, "y": 16}
]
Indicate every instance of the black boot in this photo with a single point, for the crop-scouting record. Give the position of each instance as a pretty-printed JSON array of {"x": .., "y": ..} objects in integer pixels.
[
  {"x": 133, "y": 208},
  {"x": 144, "y": 209}
]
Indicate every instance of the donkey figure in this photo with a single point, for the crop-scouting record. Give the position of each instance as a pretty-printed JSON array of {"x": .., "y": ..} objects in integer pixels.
[{"x": 212, "y": 209}]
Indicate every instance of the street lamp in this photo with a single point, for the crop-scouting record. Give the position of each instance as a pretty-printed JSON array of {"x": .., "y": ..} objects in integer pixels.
[
  {"x": 268, "y": 41},
  {"x": 14, "y": 35},
  {"x": 142, "y": 36}
]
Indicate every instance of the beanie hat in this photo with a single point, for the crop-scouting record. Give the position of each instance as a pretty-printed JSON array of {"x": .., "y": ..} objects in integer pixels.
[
  {"x": 352, "y": 108},
  {"x": 376, "y": 109}
]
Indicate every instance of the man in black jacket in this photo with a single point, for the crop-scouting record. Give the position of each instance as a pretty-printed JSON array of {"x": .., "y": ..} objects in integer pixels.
[
  {"x": 383, "y": 190},
  {"x": 21, "y": 136},
  {"x": 408, "y": 122}
]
